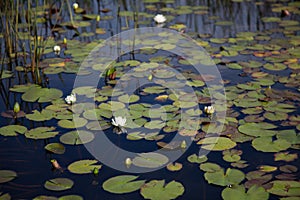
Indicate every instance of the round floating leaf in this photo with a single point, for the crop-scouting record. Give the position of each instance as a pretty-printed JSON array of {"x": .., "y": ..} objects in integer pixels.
[
  {"x": 210, "y": 167},
  {"x": 7, "y": 175},
  {"x": 154, "y": 124},
  {"x": 285, "y": 188},
  {"x": 266, "y": 144},
  {"x": 41, "y": 116},
  {"x": 150, "y": 160},
  {"x": 77, "y": 137},
  {"x": 5, "y": 196},
  {"x": 216, "y": 143},
  {"x": 156, "y": 189},
  {"x": 174, "y": 166},
  {"x": 267, "y": 168},
  {"x": 80, "y": 122},
  {"x": 83, "y": 166},
  {"x": 55, "y": 148},
  {"x": 41, "y": 133},
  {"x": 59, "y": 184},
  {"x": 70, "y": 197},
  {"x": 41, "y": 94},
  {"x": 278, "y": 116},
  {"x": 231, "y": 177},
  {"x": 12, "y": 130},
  {"x": 285, "y": 156},
  {"x": 128, "y": 99},
  {"x": 238, "y": 192},
  {"x": 289, "y": 135},
  {"x": 196, "y": 159},
  {"x": 122, "y": 184},
  {"x": 44, "y": 197},
  {"x": 257, "y": 129}
]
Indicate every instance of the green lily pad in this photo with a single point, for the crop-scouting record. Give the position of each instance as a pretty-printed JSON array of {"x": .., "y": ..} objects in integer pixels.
[
  {"x": 7, "y": 175},
  {"x": 55, "y": 148},
  {"x": 238, "y": 192},
  {"x": 174, "y": 166},
  {"x": 230, "y": 177},
  {"x": 285, "y": 156},
  {"x": 266, "y": 144},
  {"x": 83, "y": 166},
  {"x": 128, "y": 99},
  {"x": 41, "y": 133},
  {"x": 6, "y": 74},
  {"x": 196, "y": 159},
  {"x": 216, "y": 143},
  {"x": 158, "y": 190},
  {"x": 59, "y": 184},
  {"x": 5, "y": 196},
  {"x": 122, "y": 184},
  {"x": 71, "y": 197},
  {"x": 278, "y": 116},
  {"x": 41, "y": 116},
  {"x": 232, "y": 155},
  {"x": 44, "y": 197},
  {"x": 257, "y": 129},
  {"x": 289, "y": 135},
  {"x": 154, "y": 124},
  {"x": 80, "y": 122},
  {"x": 77, "y": 137},
  {"x": 285, "y": 188},
  {"x": 150, "y": 160},
  {"x": 210, "y": 167},
  {"x": 12, "y": 130},
  {"x": 41, "y": 94}
]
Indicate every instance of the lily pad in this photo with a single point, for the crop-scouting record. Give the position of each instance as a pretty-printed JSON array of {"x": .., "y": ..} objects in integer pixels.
[
  {"x": 71, "y": 197},
  {"x": 197, "y": 159},
  {"x": 238, "y": 192},
  {"x": 70, "y": 124},
  {"x": 7, "y": 175},
  {"x": 55, "y": 148},
  {"x": 285, "y": 156},
  {"x": 285, "y": 188},
  {"x": 77, "y": 137},
  {"x": 41, "y": 94},
  {"x": 266, "y": 144},
  {"x": 122, "y": 184},
  {"x": 41, "y": 116},
  {"x": 150, "y": 160},
  {"x": 5, "y": 196},
  {"x": 216, "y": 143},
  {"x": 158, "y": 190},
  {"x": 41, "y": 133},
  {"x": 257, "y": 129},
  {"x": 83, "y": 166},
  {"x": 230, "y": 177},
  {"x": 174, "y": 166},
  {"x": 59, "y": 184},
  {"x": 12, "y": 130}
]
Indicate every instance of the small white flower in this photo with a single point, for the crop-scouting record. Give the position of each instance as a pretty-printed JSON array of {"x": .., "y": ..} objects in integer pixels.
[
  {"x": 159, "y": 18},
  {"x": 56, "y": 49},
  {"x": 71, "y": 99},
  {"x": 128, "y": 162},
  {"x": 209, "y": 109},
  {"x": 75, "y": 6},
  {"x": 119, "y": 123}
]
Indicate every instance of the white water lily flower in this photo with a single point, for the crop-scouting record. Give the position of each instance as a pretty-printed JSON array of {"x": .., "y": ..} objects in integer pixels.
[
  {"x": 119, "y": 123},
  {"x": 159, "y": 18},
  {"x": 128, "y": 162},
  {"x": 75, "y": 6},
  {"x": 56, "y": 49},
  {"x": 209, "y": 109},
  {"x": 71, "y": 99}
]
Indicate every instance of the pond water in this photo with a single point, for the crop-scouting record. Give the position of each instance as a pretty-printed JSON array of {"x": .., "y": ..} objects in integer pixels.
[{"x": 239, "y": 56}]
